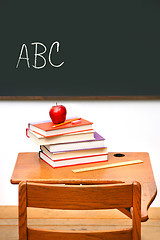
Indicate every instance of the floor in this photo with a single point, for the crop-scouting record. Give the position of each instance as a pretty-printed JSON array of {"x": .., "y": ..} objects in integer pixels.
[{"x": 85, "y": 220}]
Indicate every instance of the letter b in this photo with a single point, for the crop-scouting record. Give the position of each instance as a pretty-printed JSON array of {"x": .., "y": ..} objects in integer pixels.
[{"x": 36, "y": 54}]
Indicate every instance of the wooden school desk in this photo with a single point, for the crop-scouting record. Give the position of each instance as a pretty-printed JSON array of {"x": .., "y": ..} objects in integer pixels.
[{"x": 29, "y": 167}]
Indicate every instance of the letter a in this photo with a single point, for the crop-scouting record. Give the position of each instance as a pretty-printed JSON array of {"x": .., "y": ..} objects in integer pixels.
[{"x": 23, "y": 58}]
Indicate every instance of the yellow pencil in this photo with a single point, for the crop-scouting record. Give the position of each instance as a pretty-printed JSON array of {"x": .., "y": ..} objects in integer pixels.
[{"x": 71, "y": 120}]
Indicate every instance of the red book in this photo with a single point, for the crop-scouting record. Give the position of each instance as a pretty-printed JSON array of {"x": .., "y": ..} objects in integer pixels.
[{"x": 48, "y": 129}]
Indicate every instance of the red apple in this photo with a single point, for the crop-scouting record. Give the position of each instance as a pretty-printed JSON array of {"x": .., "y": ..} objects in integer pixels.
[{"x": 58, "y": 114}]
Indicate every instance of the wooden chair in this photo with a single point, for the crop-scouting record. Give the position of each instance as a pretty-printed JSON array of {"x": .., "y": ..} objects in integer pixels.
[{"x": 79, "y": 197}]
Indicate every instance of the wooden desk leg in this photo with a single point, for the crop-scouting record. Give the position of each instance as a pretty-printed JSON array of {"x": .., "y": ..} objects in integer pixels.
[{"x": 126, "y": 211}]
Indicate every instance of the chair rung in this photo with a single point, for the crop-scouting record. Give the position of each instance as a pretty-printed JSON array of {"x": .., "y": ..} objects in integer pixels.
[{"x": 41, "y": 234}]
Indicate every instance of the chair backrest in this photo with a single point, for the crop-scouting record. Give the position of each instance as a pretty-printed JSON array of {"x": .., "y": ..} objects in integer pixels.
[{"x": 79, "y": 197}]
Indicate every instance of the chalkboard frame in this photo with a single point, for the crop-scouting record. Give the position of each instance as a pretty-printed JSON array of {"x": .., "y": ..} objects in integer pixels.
[
  {"x": 123, "y": 38},
  {"x": 89, "y": 98}
]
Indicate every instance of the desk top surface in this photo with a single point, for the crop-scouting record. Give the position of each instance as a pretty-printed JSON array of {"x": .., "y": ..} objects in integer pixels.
[{"x": 29, "y": 167}]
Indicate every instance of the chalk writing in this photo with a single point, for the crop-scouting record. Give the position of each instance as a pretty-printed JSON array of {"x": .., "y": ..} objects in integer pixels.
[{"x": 25, "y": 56}]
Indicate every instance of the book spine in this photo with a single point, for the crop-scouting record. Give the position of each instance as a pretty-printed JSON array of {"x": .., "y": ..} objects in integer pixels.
[
  {"x": 40, "y": 153},
  {"x": 27, "y": 132}
]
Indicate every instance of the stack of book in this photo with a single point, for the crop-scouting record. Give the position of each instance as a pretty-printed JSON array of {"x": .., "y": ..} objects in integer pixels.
[{"x": 70, "y": 143}]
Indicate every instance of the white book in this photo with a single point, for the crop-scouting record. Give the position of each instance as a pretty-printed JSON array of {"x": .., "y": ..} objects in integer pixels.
[
  {"x": 97, "y": 142},
  {"x": 73, "y": 154},
  {"x": 76, "y": 161},
  {"x": 40, "y": 140}
]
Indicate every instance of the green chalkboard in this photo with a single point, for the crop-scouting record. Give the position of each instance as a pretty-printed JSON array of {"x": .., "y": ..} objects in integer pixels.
[{"x": 79, "y": 48}]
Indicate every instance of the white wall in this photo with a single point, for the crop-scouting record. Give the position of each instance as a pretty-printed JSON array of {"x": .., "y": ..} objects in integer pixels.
[{"x": 126, "y": 125}]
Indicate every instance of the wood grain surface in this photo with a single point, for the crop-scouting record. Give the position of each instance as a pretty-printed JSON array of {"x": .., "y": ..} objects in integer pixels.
[
  {"x": 75, "y": 220},
  {"x": 80, "y": 197},
  {"x": 31, "y": 168}
]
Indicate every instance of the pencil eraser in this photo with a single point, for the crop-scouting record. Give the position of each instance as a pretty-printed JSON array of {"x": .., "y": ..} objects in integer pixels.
[{"x": 76, "y": 122}]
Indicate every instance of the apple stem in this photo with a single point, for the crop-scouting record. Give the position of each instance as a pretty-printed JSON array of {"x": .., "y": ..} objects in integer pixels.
[{"x": 56, "y": 103}]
